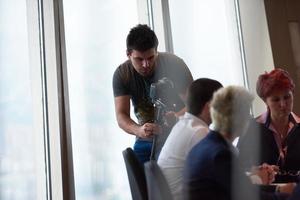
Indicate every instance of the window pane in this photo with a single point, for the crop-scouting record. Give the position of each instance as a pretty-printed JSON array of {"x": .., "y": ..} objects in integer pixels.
[
  {"x": 95, "y": 43},
  {"x": 209, "y": 40},
  {"x": 22, "y": 169}
]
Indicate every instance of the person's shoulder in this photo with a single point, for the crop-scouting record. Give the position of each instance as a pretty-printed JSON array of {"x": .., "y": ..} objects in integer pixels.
[
  {"x": 296, "y": 117},
  {"x": 168, "y": 61},
  {"x": 200, "y": 131},
  {"x": 124, "y": 71},
  {"x": 198, "y": 124},
  {"x": 207, "y": 148},
  {"x": 256, "y": 123},
  {"x": 168, "y": 56},
  {"x": 202, "y": 144},
  {"x": 196, "y": 135},
  {"x": 179, "y": 135},
  {"x": 125, "y": 66}
]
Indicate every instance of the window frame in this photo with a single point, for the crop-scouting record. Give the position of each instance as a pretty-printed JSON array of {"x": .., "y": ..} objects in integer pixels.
[{"x": 48, "y": 69}]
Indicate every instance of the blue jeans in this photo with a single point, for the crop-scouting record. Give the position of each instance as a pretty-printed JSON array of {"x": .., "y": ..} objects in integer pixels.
[{"x": 142, "y": 150}]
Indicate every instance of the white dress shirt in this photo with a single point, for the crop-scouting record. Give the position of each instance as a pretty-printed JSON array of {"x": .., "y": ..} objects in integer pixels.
[{"x": 187, "y": 132}]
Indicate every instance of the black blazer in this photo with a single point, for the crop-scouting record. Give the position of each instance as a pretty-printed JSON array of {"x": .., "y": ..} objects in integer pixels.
[{"x": 258, "y": 146}]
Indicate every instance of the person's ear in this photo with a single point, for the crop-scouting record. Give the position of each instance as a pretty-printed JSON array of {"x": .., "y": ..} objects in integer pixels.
[
  {"x": 128, "y": 53},
  {"x": 264, "y": 99},
  {"x": 206, "y": 108},
  {"x": 207, "y": 104},
  {"x": 205, "y": 113}
]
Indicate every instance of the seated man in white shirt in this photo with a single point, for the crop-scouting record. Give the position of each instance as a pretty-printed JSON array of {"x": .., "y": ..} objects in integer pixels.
[{"x": 188, "y": 131}]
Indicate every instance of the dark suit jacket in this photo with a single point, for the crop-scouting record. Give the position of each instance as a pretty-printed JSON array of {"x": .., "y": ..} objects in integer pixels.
[
  {"x": 258, "y": 145},
  {"x": 211, "y": 172}
]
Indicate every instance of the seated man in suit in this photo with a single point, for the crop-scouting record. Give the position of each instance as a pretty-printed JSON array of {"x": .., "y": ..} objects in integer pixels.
[
  {"x": 211, "y": 170},
  {"x": 188, "y": 131}
]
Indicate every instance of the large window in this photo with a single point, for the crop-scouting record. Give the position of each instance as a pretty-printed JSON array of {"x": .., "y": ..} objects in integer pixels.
[
  {"x": 96, "y": 44},
  {"x": 205, "y": 35},
  {"x": 40, "y": 85},
  {"x": 22, "y": 168}
]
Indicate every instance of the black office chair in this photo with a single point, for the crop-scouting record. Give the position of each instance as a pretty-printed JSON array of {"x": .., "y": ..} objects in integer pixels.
[
  {"x": 157, "y": 185},
  {"x": 136, "y": 175}
]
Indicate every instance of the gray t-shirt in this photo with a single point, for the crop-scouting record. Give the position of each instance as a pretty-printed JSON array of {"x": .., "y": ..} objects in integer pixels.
[{"x": 126, "y": 81}]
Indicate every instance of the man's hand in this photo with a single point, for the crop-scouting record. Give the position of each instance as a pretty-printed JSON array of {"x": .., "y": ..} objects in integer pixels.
[
  {"x": 148, "y": 130},
  {"x": 266, "y": 173},
  {"x": 171, "y": 118}
]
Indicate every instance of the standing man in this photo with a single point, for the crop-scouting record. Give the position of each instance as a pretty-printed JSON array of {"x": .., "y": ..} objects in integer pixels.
[{"x": 132, "y": 81}]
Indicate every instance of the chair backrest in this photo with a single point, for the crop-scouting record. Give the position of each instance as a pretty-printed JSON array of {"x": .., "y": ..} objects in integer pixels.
[
  {"x": 157, "y": 185},
  {"x": 136, "y": 175}
]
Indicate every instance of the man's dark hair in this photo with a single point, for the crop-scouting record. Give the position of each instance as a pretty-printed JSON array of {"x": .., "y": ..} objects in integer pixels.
[
  {"x": 141, "y": 38},
  {"x": 199, "y": 93}
]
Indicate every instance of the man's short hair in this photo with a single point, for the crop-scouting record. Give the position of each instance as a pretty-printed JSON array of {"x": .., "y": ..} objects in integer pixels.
[
  {"x": 199, "y": 93},
  {"x": 230, "y": 109},
  {"x": 141, "y": 38}
]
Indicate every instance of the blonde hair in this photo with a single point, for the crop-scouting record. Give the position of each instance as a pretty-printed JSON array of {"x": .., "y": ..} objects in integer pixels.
[{"x": 230, "y": 109}]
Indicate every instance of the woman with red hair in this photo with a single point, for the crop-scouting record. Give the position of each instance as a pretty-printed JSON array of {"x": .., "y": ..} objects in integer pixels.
[{"x": 274, "y": 136}]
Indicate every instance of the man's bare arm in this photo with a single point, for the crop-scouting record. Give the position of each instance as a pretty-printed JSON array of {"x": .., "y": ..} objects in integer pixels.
[{"x": 125, "y": 122}]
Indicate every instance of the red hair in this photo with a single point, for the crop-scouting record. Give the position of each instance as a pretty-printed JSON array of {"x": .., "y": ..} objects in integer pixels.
[{"x": 276, "y": 79}]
